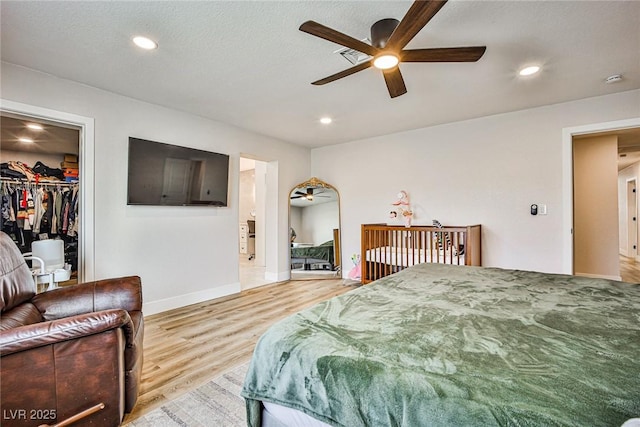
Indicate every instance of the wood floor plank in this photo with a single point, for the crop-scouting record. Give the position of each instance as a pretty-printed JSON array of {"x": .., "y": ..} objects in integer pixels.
[
  {"x": 629, "y": 270},
  {"x": 186, "y": 347}
]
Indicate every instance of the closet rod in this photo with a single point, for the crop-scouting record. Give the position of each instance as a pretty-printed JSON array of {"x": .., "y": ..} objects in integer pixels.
[{"x": 40, "y": 182}]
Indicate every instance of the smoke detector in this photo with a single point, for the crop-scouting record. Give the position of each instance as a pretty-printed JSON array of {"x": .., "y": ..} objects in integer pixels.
[{"x": 613, "y": 79}]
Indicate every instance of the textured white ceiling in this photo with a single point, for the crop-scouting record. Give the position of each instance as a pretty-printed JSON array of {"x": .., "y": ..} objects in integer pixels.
[{"x": 245, "y": 62}]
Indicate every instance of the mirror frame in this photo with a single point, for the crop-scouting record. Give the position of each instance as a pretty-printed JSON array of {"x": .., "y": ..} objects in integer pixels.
[{"x": 314, "y": 182}]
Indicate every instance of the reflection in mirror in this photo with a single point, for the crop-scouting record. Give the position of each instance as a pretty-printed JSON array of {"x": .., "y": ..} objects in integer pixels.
[{"x": 314, "y": 230}]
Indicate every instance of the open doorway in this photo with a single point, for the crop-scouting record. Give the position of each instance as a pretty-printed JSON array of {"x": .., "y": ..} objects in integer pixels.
[
  {"x": 252, "y": 223},
  {"x": 86, "y": 162},
  {"x": 41, "y": 195},
  {"x": 628, "y": 177},
  {"x": 606, "y": 167}
]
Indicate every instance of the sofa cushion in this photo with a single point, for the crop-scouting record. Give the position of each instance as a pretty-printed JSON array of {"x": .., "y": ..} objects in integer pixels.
[
  {"x": 16, "y": 282},
  {"x": 24, "y": 314}
]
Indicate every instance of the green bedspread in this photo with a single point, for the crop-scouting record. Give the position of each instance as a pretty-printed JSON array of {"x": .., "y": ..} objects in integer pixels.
[
  {"x": 323, "y": 251},
  {"x": 439, "y": 345}
]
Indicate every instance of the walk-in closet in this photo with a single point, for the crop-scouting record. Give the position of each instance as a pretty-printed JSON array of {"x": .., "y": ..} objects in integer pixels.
[{"x": 40, "y": 178}]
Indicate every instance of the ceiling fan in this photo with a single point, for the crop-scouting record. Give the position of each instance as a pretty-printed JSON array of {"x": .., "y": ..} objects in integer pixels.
[
  {"x": 309, "y": 195},
  {"x": 388, "y": 39}
]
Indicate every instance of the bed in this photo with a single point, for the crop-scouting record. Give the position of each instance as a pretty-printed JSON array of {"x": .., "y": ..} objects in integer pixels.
[
  {"x": 444, "y": 345},
  {"x": 387, "y": 249},
  {"x": 321, "y": 255}
]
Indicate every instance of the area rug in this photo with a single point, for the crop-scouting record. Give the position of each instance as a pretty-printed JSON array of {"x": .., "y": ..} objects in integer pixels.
[{"x": 216, "y": 403}]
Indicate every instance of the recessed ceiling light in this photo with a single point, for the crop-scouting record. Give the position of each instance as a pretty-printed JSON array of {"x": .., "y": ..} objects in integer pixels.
[
  {"x": 26, "y": 140},
  {"x": 35, "y": 126},
  {"x": 527, "y": 71},
  {"x": 384, "y": 62},
  {"x": 326, "y": 120},
  {"x": 145, "y": 42}
]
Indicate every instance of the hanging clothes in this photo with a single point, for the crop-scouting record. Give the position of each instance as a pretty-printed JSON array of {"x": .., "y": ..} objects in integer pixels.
[
  {"x": 38, "y": 209},
  {"x": 50, "y": 209}
]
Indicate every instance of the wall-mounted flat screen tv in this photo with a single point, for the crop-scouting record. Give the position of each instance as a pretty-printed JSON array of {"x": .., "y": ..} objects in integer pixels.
[{"x": 169, "y": 175}]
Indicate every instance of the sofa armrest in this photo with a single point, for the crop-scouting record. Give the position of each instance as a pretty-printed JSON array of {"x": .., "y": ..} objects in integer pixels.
[
  {"x": 40, "y": 334},
  {"x": 121, "y": 293}
]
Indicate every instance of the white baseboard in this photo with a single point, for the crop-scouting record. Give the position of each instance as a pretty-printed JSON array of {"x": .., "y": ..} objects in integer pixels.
[
  {"x": 598, "y": 276},
  {"x": 277, "y": 277},
  {"x": 159, "y": 306},
  {"x": 253, "y": 286}
]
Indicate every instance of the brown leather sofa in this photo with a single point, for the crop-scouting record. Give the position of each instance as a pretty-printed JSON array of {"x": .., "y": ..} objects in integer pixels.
[{"x": 67, "y": 350}]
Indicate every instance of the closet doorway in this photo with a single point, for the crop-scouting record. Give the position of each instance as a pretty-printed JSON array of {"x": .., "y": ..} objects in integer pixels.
[{"x": 55, "y": 156}]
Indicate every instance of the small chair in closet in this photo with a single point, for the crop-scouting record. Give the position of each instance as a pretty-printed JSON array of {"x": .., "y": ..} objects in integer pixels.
[{"x": 47, "y": 257}]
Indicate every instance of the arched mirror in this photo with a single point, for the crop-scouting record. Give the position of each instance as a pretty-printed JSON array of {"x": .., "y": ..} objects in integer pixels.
[{"x": 314, "y": 230}]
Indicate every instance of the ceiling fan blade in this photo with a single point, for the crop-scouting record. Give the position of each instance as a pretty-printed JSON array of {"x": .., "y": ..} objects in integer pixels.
[
  {"x": 418, "y": 15},
  {"x": 332, "y": 35},
  {"x": 395, "y": 82},
  {"x": 343, "y": 73},
  {"x": 447, "y": 54}
]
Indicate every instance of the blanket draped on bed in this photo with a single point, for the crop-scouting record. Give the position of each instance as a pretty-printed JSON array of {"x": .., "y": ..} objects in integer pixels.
[
  {"x": 442, "y": 345},
  {"x": 323, "y": 251}
]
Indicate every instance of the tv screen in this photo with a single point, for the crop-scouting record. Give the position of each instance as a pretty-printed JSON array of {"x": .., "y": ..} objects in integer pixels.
[{"x": 170, "y": 175}]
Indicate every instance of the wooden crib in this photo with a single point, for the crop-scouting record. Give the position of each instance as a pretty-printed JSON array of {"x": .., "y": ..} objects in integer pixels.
[{"x": 387, "y": 249}]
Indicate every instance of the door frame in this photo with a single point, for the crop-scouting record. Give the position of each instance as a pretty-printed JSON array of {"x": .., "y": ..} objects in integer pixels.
[
  {"x": 86, "y": 201},
  {"x": 567, "y": 179},
  {"x": 268, "y": 220},
  {"x": 632, "y": 217}
]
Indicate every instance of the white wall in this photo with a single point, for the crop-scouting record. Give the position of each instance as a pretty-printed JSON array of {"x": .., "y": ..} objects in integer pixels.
[
  {"x": 314, "y": 224},
  {"x": 295, "y": 219},
  {"x": 247, "y": 195},
  {"x": 319, "y": 221},
  {"x": 261, "y": 217},
  {"x": 483, "y": 171},
  {"x": 183, "y": 254}
]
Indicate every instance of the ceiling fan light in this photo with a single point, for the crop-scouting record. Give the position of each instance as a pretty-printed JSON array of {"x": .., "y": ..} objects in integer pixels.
[{"x": 385, "y": 61}]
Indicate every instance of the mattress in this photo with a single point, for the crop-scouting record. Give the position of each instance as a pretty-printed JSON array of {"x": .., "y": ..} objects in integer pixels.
[
  {"x": 443, "y": 345},
  {"x": 407, "y": 257},
  {"x": 274, "y": 415}
]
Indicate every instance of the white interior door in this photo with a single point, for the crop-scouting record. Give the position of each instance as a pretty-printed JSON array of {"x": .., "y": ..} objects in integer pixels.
[{"x": 177, "y": 177}]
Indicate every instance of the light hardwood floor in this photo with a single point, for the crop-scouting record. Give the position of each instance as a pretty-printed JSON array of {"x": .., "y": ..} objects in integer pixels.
[
  {"x": 186, "y": 347},
  {"x": 629, "y": 270}
]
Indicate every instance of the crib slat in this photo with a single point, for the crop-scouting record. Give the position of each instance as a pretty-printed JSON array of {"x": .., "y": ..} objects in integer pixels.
[{"x": 386, "y": 249}]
